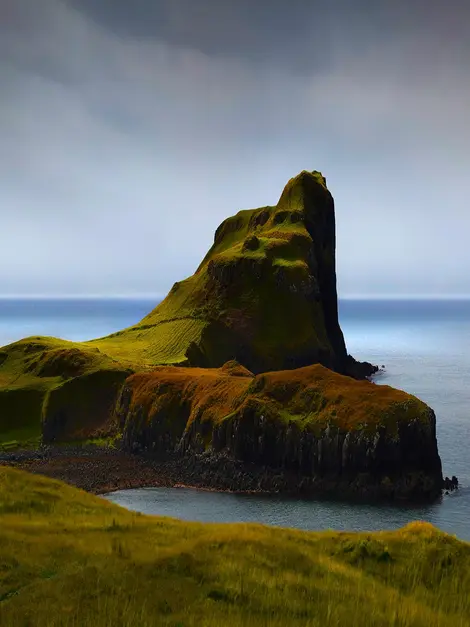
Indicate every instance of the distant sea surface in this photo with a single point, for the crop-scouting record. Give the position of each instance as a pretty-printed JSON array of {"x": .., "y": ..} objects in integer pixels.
[{"x": 425, "y": 347}]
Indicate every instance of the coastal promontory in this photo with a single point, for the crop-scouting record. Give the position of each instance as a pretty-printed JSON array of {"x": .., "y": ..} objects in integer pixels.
[{"x": 245, "y": 362}]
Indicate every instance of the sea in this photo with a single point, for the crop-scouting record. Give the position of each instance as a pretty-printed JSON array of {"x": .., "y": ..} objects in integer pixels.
[{"x": 424, "y": 346}]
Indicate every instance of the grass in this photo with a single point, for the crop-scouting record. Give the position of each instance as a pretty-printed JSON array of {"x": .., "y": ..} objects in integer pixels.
[
  {"x": 46, "y": 381},
  {"x": 313, "y": 397},
  {"x": 109, "y": 442},
  {"x": 69, "y": 558},
  {"x": 13, "y": 444}
]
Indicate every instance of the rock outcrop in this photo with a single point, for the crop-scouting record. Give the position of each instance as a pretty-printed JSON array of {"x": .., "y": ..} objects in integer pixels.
[
  {"x": 265, "y": 293},
  {"x": 333, "y": 432}
]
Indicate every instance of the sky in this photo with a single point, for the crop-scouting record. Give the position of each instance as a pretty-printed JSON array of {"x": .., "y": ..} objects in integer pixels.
[{"x": 130, "y": 130}]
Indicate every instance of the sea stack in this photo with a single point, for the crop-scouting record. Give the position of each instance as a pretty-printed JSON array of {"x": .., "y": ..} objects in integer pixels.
[{"x": 265, "y": 293}]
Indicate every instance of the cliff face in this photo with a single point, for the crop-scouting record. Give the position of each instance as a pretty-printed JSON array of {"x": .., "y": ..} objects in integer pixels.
[{"x": 331, "y": 431}]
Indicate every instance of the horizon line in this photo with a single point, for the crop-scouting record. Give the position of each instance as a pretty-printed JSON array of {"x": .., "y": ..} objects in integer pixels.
[
  {"x": 143, "y": 296},
  {"x": 404, "y": 297},
  {"x": 159, "y": 296}
]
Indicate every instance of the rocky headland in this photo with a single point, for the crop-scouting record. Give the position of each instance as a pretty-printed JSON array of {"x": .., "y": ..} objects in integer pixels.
[{"x": 243, "y": 365}]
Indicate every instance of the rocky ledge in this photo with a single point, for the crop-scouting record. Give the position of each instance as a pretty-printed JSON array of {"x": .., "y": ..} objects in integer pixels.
[{"x": 103, "y": 470}]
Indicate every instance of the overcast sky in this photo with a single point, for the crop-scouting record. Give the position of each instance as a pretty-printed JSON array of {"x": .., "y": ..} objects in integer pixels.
[{"x": 130, "y": 130}]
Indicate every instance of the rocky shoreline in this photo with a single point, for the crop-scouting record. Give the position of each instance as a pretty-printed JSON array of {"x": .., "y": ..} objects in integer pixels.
[
  {"x": 94, "y": 469},
  {"x": 101, "y": 470}
]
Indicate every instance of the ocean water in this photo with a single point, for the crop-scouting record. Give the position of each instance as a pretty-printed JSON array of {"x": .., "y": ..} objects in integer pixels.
[
  {"x": 425, "y": 347},
  {"x": 68, "y": 318}
]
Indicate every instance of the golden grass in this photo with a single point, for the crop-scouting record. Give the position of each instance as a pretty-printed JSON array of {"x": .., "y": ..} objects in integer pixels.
[
  {"x": 69, "y": 558},
  {"x": 312, "y": 397}
]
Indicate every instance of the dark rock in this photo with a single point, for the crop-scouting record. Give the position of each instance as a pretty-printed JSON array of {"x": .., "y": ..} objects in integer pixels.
[
  {"x": 394, "y": 459},
  {"x": 450, "y": 484}
]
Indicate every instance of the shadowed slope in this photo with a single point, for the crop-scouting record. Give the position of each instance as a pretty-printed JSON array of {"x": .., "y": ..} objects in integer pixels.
[{"x": 68, "y": 558}]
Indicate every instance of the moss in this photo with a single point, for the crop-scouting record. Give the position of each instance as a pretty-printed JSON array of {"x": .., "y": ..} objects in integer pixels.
[{"x": 234, "y": 369}]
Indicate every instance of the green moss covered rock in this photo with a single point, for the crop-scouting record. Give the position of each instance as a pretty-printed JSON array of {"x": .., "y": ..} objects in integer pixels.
[{"x": 265, "y": 293}]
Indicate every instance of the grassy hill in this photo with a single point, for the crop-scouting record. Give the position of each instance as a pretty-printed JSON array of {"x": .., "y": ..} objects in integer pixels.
[
  {"x": 69, "y": 558},
  {"x": 264, "y": 294},
  {"x": 40, "y": 377}
]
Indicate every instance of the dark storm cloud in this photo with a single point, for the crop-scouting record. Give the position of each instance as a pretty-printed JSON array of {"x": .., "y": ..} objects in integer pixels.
[
  {"x": 130, "y": 130},
  {"x": 299, "y": 35}
]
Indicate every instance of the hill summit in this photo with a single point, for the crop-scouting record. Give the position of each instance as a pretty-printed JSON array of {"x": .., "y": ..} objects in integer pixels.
[{"x": 264, "y": 294}]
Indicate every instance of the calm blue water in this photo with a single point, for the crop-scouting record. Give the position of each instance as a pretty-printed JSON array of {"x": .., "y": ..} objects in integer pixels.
[
  {"x": 71, "y": 319},
  {"x": 425, "y": 346}
]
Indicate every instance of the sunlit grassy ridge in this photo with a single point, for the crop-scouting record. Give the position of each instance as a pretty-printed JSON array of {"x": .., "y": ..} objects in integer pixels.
[
  {"x": 68, "y": 558},
  {"x": 312, "y": 397}
]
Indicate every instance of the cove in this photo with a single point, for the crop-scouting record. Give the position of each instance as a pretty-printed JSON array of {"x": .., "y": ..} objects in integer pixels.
[{"x": 449, "y": 514}]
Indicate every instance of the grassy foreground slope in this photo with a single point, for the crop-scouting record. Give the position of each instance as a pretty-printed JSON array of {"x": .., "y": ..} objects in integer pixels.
[{"x": 69, "y": 558}]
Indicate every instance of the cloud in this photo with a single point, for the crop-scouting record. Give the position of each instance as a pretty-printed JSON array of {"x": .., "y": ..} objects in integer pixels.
[{"x": 123, "y": 153}]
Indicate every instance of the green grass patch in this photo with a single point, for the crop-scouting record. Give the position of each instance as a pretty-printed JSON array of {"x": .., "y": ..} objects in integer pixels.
[{"x": 69, "y": 558}]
